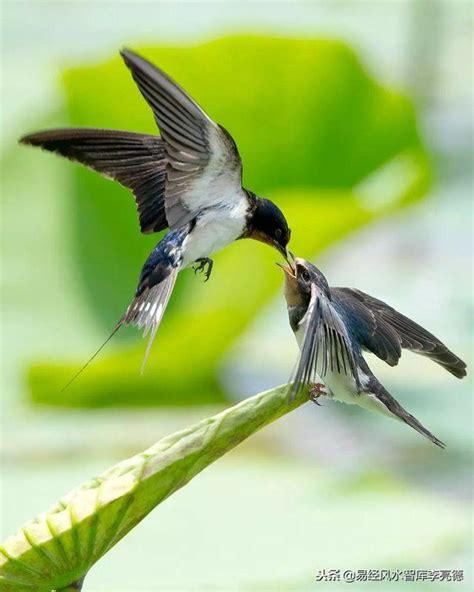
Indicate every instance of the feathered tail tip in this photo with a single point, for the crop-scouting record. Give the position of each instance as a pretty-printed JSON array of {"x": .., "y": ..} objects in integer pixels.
[
  {"x": 420, "y": 428},
  {"x": 147, "y": 309},
  {"x": 399, "y": 412}
]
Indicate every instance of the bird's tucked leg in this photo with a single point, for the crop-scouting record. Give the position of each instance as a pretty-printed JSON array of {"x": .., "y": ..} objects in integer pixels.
[
  {"x": 203, "y": 263},
  {"x": 316, "y": 390}
]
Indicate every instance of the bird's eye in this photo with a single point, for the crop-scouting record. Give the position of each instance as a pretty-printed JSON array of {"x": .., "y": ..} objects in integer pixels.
[
  {"x": 278, "y": 233},
  {"x": 305, "y": 275}
]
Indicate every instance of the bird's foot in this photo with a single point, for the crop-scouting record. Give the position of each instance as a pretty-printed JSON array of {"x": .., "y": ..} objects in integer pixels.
[
  {"x": 201, "y": 268},
  {"x": 316, "y": 391}
]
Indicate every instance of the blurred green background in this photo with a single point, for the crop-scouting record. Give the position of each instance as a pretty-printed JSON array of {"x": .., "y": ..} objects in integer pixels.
[{"x": 356, "y": 118}]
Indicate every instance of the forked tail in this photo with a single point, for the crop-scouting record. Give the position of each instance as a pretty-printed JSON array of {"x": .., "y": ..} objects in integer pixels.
[
  {"x": 396, "y": 409},
  {"x": 145, "y": 312},
  {"x": 147, "y": 309},
  {"x": 117, "y": 327}
]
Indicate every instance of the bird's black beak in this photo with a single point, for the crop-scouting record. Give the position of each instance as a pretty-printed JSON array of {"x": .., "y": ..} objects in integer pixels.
[
  {"x": 288, "y": 255},
  {"x": 290, "y": 259},
  {"x": 283, "y": 250}
]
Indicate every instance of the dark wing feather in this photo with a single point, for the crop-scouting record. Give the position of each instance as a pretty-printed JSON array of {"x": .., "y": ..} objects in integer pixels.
[
  {"x": 411, "y": 335},
  {"x": 326, "y": 344},
  {"x": 204, "y": 165},
  {"x": 370, "y": 330},
  {"x": 137, "y": 161}
]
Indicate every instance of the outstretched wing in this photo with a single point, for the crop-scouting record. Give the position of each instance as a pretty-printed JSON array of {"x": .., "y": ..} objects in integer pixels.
[
  {"x": 326, "y": 344},
  {"x": 369, "y": 328},
  {"x": 203, "y": 164},
  {"x": 137, "y": 161},
  {"x": 385, "y": 321}
]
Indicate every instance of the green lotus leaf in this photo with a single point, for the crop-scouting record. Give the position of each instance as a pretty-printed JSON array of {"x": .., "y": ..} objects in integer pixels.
[
  {"x": 319, "y": 513},
  {"x": 59, "y": 547}
]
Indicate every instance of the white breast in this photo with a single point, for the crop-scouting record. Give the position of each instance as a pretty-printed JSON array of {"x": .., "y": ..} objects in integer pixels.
[
  {"x": 342, "y": 387},
  {"x": 215, "y": 229}
]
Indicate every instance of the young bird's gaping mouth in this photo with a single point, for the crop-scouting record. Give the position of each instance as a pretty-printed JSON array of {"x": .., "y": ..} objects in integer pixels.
[
  {"x": 292, "y": 293},
  {"x": 289, "y": 267},
  {"x": 289, "y": 271}
]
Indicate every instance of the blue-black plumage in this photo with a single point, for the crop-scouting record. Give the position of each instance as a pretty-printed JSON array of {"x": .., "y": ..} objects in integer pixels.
[{"x": 335, "y": 326}]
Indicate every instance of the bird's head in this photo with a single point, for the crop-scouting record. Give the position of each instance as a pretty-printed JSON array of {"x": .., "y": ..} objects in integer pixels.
[
  {"x": 300, "y": 275},
  {"x": 269, "y": 225}
]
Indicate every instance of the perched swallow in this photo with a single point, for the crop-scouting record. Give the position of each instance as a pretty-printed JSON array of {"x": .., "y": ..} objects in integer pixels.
[
  {"x": 189, "y": 180},
  {"x": 334, "y": 326}
]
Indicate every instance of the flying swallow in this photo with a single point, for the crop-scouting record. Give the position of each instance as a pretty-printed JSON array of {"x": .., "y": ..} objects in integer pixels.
[
  {"x": 189, "y": 180},
  {"x": 335, "y": 326}
]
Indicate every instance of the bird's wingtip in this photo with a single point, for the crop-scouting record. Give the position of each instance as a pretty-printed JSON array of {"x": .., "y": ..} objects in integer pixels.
[
  {"x": 36, "y": 138},
  {"x": 463, "y": 371},
  {"x": 129, "y": 56},
  {"x": 125, "y": 51},
  {"x": 26, "y": 140},
  {"x": 458, "y": 370},
  {"x": 39, "y": 139}
]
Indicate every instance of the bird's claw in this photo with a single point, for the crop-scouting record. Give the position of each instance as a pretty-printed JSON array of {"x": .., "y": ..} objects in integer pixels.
[
  {"x": 203, "y": 263},
  {"x": 316, "y": 391}
]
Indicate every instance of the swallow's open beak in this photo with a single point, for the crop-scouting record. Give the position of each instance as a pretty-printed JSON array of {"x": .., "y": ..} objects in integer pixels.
[
  {"x": 288, "y": 269},
  {"x": 291, "y": 290},
  {"x": 291, "y": 259}
]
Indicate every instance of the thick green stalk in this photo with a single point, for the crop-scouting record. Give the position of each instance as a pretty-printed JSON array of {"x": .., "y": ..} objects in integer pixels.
[{"x": 57, "y": 548}]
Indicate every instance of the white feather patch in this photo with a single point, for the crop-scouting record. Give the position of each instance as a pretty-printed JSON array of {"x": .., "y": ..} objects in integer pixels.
[{"x": 148, "y": 309}]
